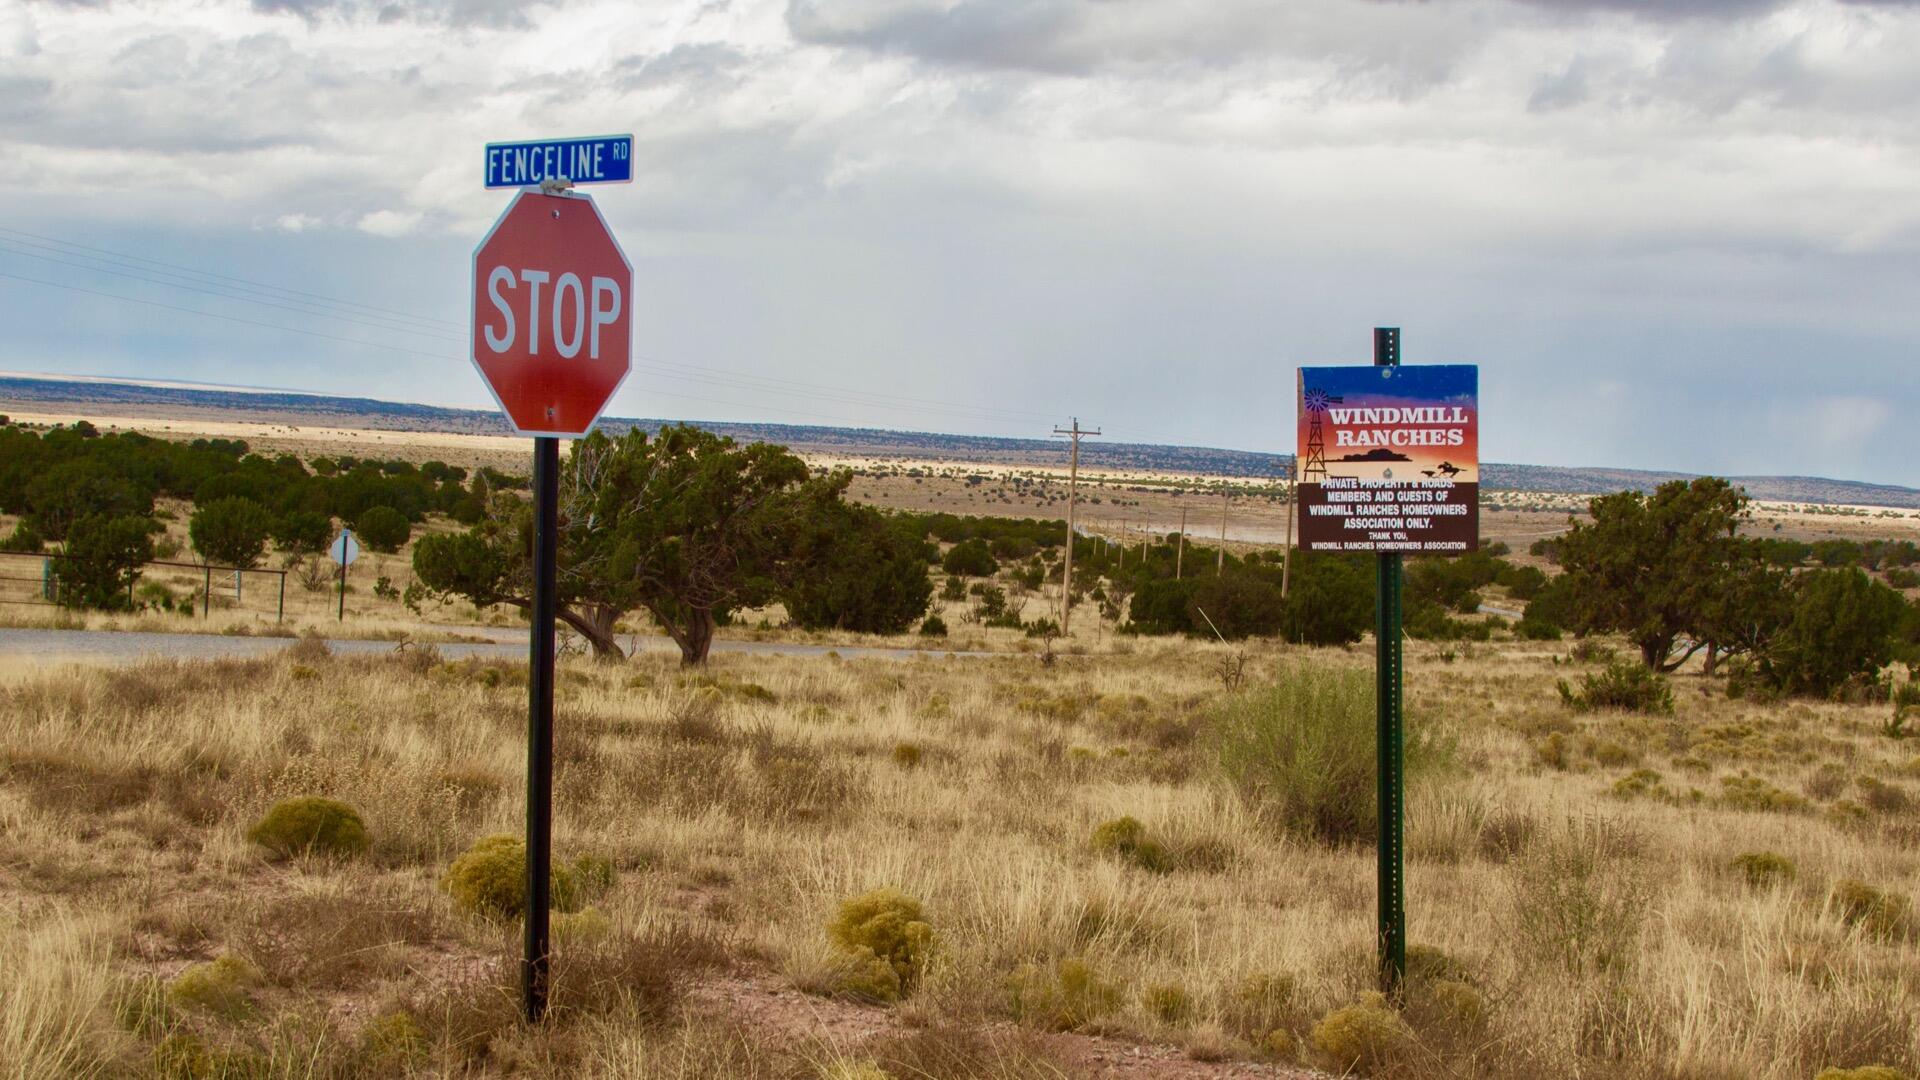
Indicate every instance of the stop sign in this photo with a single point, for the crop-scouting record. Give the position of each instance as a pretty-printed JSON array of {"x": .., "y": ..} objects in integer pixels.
[{"x": 552, "y": 313}]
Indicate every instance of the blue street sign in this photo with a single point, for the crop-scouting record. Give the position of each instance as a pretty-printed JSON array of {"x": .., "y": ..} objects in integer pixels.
[{"x": 597, "y": 159}]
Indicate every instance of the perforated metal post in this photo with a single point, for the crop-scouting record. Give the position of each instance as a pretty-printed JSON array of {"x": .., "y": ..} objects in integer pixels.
[
  {"x": 546, "y": 535},
  {"x": 1391, "y": 741}
]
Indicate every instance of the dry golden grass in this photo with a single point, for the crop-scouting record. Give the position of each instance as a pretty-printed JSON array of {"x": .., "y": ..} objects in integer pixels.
[{"x": 1566, "y": 929}]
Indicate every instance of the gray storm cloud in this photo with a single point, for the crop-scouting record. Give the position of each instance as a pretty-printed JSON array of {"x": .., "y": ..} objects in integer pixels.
[{"x": 1686, "y": 224}]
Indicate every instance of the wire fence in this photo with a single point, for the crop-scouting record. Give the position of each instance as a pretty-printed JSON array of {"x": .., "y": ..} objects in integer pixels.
[{"x": 191, "y": 589}]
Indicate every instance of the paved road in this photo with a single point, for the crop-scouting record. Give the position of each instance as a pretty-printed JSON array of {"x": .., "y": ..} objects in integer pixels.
[{"x": 128, "y": 646}]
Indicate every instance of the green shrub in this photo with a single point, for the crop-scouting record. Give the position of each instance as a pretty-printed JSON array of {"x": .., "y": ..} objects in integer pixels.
[
  {"x": 1753, "y": 793},
  {"x": 933, "y": 626},
  {"x": 25, "y": 538},
  {"x": 220, "y": 986},
  {"x": 1126, "y": 839},
  {"x": 1621, "y": 685},
  {"x": 490, "y": 880},
  {"x": 1452, "y": 1004},
  {"x": 1879, "y": 912},
  {"x": 1363, "y": 1035},
  {"x": 1531, "y": 629},
  {"x": 382, "y": 528},
  {"x": 1262, "y": 1003},
  {"x": 231, "y": 531},
  {"x": 886, "y": 942},
  {"x": 1168, "y": 1002},
  {"x": 1279, "y": 1044},
  {"x": 1640, "y": 782},
  {"x": 395, "y": 1043},
  {"x": 1064, "y": 996},
  {"x": 1300, "y": 751},
  {"x": 970, "y": 558},
  {"x": 1882, "y": 797},
  {"x": 1762, "y": 869},
  {"x": 185, "y": 1056},
  {"x": 1426, "y": 963},
  {"x": 310, "y": 825}
]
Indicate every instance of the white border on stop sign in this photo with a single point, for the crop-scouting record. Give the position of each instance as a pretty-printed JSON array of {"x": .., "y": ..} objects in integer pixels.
[{"x": 473, "y": 327}]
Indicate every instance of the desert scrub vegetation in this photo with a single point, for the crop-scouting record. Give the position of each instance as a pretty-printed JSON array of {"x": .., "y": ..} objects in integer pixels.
[
  {"x": 1620, "y": 685},
  {"x": 713, "y": 833},
  {"x": 310, "y": 825},
  {"x": 1300, "y": 750},
  {"x": 885, "y": 943}
]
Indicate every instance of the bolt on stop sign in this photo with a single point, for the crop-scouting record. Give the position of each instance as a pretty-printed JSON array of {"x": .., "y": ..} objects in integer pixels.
[{"x": 552, "y": 313}]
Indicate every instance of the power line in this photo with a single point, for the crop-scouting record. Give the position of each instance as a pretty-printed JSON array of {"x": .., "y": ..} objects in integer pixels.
[
  {"x": 78, "y": 247},
  {"x": 138, "y": 275},
  {"x": 310, "y": 304},
  {"x": 223, "y": 318},
  {"x": 124, "y": 265}
]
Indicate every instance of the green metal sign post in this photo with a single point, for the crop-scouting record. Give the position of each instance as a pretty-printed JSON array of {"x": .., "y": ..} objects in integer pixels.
[
  {"x": 1389, "y": 464},
  {"x": 1391, "y": 739}
]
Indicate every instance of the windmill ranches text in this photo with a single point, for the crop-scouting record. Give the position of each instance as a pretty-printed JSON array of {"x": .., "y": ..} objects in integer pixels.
[{"x": 1435, "y": 425}]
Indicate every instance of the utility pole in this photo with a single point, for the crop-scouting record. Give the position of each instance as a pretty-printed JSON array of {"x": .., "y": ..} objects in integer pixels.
[
  {"x": 1286, "y": 553},
  {"x": 1073, "y": 483},
  {"x": 1180, "y": 553},
  {"x": 1220, "y": 565}
]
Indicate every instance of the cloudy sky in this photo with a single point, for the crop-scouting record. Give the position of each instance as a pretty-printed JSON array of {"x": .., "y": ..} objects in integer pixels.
[{"x": 1673, "y": 234}]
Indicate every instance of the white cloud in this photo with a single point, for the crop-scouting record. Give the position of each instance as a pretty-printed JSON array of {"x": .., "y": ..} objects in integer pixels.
[
  {"x": 930, "y": 196},
  {"x": 389, "y": 223}
]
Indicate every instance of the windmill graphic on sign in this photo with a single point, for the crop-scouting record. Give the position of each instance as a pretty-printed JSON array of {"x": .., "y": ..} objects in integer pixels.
[{"x": 1315, "y": 470}]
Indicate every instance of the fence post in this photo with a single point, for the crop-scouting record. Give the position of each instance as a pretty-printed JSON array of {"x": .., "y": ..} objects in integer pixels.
[
  {"x": 280, "y": 615},
  {"x": 206, "y": 592}
]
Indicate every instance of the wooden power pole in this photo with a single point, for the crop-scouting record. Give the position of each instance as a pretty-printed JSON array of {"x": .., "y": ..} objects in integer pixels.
[
  {"x": 1220, "y": 564},
  {"x": 1180, "y": 553},
  {"x": 1286, "y": 553},
  {"x": 1073, "y": 483}
]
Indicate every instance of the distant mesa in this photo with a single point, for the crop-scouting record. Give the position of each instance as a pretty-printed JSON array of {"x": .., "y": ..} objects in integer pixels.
[{"x": 1381, "y": 454}]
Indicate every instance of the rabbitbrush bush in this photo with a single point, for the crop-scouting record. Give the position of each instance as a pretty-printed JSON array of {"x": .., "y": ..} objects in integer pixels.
[
  {"x": 490, "y": 879},
  {"x": 1763, "y": 868},
  {"x": 310, "y": 825},
  {"x": 1881, "y": 913},
  {"x": 886, "y": 942},
  {"x": 1363, "y": 1035},
  {"x": 1126, "y": 839},
  {"x": 1064, "y": 996},
  {"x": 219, "y": 986}
]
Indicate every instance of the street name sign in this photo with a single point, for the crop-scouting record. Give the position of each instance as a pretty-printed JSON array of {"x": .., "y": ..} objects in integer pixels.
[
  {"x": 552, "y": 313},
  {"x": 1389, "y": 459},
  {"x": 595, "y": 159}
]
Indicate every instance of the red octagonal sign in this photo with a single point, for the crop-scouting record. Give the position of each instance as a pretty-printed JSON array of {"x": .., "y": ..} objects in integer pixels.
[{"x": 552, "y": 313}]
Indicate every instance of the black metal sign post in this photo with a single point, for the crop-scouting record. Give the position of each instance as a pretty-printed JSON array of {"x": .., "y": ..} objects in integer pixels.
[
  {"x": 546, "y": 537},
  {"x": 1390, "y": 738}
]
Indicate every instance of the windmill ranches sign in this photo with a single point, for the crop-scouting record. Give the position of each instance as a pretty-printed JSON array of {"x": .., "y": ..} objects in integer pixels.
[{"x": 1389, "y": 459}]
